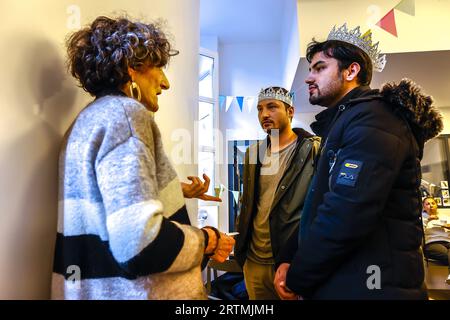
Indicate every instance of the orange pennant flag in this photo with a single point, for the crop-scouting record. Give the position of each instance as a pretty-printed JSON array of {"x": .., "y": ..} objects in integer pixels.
[{"x": 387, "y": 23}]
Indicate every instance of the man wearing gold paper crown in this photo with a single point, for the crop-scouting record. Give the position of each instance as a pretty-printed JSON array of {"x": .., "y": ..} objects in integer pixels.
[
  {"x": 360, "y": 231},
  {"x": 277, "y": 173}
]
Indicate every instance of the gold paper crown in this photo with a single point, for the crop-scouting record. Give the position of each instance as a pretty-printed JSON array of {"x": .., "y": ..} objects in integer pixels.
[
  {"x": 362, "y": 41},
  {"x": 277, "y": 94}
]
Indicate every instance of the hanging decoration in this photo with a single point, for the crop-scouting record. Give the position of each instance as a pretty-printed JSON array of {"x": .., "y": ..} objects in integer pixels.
[
  {"x": 387, "y": 23},
  {"x": 245, "y": 103}
]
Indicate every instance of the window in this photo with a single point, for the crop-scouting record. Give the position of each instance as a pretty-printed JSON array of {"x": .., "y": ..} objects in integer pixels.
[
  {"x": 436, "y": 169},
  {"x": 208, "y": 212},
  {"x": 236, "y": 149}
]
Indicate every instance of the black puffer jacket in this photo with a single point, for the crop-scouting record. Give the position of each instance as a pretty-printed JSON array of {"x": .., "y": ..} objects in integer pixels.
[{"x": 361, "y": 233}]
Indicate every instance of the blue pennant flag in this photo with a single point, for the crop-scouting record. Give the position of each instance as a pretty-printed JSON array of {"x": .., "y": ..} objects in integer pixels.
[
  {"x": 240, "y": 101},
  {"x": 221, "y": 101}
]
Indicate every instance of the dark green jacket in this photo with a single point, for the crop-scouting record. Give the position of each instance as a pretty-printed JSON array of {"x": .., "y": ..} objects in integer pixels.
[{"x": 288, "y": 202}]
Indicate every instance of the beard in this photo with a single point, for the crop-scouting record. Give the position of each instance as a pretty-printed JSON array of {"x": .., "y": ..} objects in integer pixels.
[
  {"x": 329, "y": 93},
  {"x": 276, "y": 128}
]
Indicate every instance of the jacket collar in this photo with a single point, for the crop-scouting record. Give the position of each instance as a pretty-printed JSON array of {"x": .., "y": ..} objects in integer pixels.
[
  {"x": 324, "y": 119},
  {"x": 407, "y": 99},
  {"x": 301, "y": 134}
]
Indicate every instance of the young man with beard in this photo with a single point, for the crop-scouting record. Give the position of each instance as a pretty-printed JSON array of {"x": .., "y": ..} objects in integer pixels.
[
  {"x": 361, "y": 231},
  {"x": 277, "y": 173}
]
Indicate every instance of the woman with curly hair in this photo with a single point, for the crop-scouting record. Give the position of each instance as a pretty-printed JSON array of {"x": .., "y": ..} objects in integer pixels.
[{"x": 123, "y": 228}]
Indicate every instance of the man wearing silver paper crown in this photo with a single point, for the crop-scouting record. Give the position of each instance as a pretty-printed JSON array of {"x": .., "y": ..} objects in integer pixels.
[
  {"x": 360, "y": 230},
  {"x": 277, "y": 173}
]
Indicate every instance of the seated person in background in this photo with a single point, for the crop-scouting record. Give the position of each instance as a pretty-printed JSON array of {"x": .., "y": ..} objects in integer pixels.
[{"x": 437, "y": 238}]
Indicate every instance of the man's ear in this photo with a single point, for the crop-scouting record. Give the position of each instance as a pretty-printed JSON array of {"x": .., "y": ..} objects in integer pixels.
[
  {"x": 352, "y": 71},
  {"x": 290, "y": 112}
]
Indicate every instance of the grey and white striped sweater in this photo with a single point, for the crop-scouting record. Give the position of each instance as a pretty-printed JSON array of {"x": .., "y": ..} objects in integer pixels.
[{"x": 123, "y": 228}]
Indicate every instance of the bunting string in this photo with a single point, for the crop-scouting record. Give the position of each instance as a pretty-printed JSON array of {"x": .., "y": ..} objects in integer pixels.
[
  {"x": 245, "y": 104},
  {"x": 387, "y": 23}
]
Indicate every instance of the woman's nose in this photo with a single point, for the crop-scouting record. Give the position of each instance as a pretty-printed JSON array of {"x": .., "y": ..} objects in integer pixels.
[{"x": 165, "y": 85}]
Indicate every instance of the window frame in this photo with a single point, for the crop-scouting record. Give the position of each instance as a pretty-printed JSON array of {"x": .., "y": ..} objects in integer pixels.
[{"x": 215, "y": 102}]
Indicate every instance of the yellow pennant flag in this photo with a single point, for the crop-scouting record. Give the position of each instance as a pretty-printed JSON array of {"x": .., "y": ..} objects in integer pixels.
[{"x": 407, "y": 6}]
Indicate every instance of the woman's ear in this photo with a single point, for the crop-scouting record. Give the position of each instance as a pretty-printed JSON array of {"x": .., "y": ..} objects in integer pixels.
[{"x": 131, "y": 73}]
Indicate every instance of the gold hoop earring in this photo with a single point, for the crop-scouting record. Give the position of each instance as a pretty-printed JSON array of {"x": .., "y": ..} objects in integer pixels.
[{"x": 134, "y": 86}]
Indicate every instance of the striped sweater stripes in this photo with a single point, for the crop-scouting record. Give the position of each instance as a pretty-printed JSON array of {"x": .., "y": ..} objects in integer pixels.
[{"x": 123, "y": 229}]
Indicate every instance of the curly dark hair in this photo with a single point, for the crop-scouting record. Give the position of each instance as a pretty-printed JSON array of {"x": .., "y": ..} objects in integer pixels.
[{"x": 99, "y": 55}]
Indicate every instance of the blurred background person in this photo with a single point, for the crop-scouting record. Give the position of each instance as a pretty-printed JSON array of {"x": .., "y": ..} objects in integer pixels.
[{"x": 437, "y": 234}]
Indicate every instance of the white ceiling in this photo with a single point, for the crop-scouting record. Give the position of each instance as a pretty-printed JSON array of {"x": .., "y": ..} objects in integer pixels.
[{"x": 238, "y": 21}]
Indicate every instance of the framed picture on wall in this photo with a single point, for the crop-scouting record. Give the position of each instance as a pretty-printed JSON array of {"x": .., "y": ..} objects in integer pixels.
[
  {"x": 438, "y": 201},
  {"x": 444, "y": 184},
  {"x": 446, "y": 202},
  {"x": 445, "y": 193}
]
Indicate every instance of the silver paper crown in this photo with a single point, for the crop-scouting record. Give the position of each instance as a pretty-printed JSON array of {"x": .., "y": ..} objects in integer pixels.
[
  {"x": 362, "y": 41},
  {"x": 277, "y": 94}
]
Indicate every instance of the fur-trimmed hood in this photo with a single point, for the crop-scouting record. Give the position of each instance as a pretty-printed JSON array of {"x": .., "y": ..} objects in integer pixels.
[{"x": 417, "y": 108}]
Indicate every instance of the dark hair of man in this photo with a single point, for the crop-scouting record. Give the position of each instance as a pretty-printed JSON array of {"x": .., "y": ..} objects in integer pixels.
[
  {"x": 345, "y": 53},
  {"x": 99, "y": 55}
]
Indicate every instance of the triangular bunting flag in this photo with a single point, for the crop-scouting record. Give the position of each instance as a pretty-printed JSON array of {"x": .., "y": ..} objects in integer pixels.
[
  {"x": 228, "y": 102},
  {"x": 387, "y": 23},
  {"x": 221, "y": 101},
  {"x": 407, "y": 6},
  {"x": 240, "y": 101},
  {"x": 236, "y": 196},
  {"x": 250, "y": 102}
]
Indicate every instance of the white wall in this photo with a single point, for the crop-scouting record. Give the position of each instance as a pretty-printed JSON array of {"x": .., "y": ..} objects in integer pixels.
[
  {"x": 209, "y": 42},
  {"x": 303, "y": 120},
  {"x": 244, "y": 70},
  {"x": 39, "y": 101},
  {"x": 247, "y": 67},
  {"x": 446, "y": 118},
  {"x": 290, "y": 43},
  {"x": 426, "y": 30}
]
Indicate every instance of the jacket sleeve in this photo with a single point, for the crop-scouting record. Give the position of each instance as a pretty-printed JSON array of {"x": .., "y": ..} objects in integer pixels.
[
  {"x": 351, "y": 209},
  {"x": 141, "y": 239}
]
